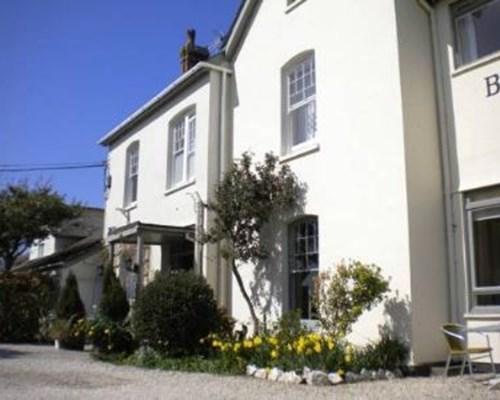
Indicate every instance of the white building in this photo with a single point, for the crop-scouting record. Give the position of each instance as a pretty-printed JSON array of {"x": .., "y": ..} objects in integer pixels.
[{"x": 384, "y": 109}]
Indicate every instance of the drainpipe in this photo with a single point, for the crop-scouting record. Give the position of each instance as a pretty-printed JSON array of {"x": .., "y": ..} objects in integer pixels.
[
  {"x": 445, "y": 132},
  {"x": 223, "y": 149}
]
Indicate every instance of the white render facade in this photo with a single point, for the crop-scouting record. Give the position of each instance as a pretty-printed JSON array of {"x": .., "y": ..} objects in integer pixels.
[{"x": 363, "y": 101}]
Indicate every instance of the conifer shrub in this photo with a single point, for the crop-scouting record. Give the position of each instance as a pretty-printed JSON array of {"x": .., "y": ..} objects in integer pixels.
[
  {"x": 114, "y": 304},
  {"x": 70, "y": 305},
  {"x": 175, "y": 312}
]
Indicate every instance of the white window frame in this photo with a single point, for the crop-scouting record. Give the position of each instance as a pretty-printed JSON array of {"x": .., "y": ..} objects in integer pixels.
[
  {"x": 41, "y": 249},
  {"x": 182, "y": 143},
  {"x": 293, "y": 271},
  {"x": 479, "y": 211},
  {"x": 462, "y": 12},
  {"x": 299, "y": 75},
  {"x": 132, "y": 175}
]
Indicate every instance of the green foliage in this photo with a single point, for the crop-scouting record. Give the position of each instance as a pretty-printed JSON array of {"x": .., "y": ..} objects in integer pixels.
[
  {"x": 290, "y": 327},
  {"x": 25, "y": 299},
  {"x": 114, "y": 303},
  {"x": 246, "y": 198},
  {"x": 174, "y": 312},
  {"x": 27, "y": 214},
  {"x": 70, "y": 333},
  {"x": 343, "y": 295},
  {"x": 387, "y": 353},
  {"x": 70, "y": 305},
  {"x": 109, "y": 337}
]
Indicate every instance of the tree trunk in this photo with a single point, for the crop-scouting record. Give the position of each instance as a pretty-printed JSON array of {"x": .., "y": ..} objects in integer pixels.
[{"x": 243, "y": 291}]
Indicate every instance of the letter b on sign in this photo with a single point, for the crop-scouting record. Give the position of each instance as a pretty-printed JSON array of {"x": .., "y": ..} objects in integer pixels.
[{"x": 492, "y": 85}]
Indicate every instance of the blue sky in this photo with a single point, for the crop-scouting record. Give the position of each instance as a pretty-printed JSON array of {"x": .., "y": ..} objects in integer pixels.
[{"x": 70, "y": 70}]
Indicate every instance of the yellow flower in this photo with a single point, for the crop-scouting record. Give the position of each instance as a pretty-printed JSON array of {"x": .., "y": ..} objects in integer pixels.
[
  {"x": 347, "y": 358},
  {"x": 273, "y": 340},
  {"x": 341, "y": 372},
  {"x": 330, "y": 343},
  {"x": 317, "y": 347},
  {"x": 247, "y": 344},
  {"x": 237, "y": 347},
  {"x": 215, "y": 343},
  {"x": 257, "y": 340},
  {"x": 309, "y": 352},
  {"x": 274, "y": 354}
]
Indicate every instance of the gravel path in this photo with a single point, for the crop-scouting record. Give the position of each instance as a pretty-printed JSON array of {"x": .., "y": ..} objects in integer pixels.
[{"x": 41, "y": 372}]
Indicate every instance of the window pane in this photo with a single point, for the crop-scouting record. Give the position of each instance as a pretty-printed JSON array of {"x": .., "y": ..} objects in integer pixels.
[
  {"x": 177, "y": 168},
  {"x": 488, "y": 300},
  {"x": 303, "y": 123},
  {"x": 478, "y": 32},
  {"x": 301, "y": 293},
  {"x": 487, "y": 252},
  {"x": 133, "y": 188}
]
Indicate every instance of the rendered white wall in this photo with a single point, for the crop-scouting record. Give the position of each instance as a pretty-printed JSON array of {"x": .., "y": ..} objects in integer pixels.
[
  {"x": 154, "y": 205},
  {"x": 357, "y": 179}
]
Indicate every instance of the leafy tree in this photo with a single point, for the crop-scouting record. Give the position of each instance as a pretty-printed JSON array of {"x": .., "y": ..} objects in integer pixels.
[
  {"x": 114, "y": 304},
  {"x": 27, "y": 214},
  {"x": 246, "y": 198},
  {"x": 70, "y": 305},
  {"x": 341, "y": 296}
]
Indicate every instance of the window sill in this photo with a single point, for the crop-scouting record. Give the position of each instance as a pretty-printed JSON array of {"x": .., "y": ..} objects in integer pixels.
[
  {"x": 179, "y": 186},
  {"x": 293, "y": 6},
  {"x": 476, "y": 64},
  {"x": 478, "y": 314},
  {"x": 304, "y": 150}
]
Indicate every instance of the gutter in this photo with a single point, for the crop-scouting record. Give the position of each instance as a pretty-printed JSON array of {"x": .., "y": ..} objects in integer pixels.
[{"x": 445, "y": 132}]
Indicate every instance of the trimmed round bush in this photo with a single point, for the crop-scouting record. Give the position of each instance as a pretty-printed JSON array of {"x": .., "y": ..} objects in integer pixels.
[{"x": 174, "y": 312}]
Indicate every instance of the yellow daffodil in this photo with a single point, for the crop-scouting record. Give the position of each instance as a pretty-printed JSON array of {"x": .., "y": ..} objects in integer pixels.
[
  {"x": 247, "y": 344},
  {"x": 274, "y": 354},
  {"x": 257, "y": 340},
  {"x": 317, "y": 347},
  {"x": 273, "y": 340}
]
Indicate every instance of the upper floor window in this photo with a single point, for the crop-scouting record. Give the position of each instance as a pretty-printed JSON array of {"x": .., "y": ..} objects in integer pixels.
[
  {"x": 182, "y": 144},
  {"x": 303, "y": 264},
  {"x": 300, "y": 102},
  {"x": 132, "y": 173},
  {"x": 41, "y": 249},
  {"x": 477, "y": 29}
]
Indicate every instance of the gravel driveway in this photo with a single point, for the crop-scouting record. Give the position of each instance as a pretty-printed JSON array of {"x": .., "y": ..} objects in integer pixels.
[{"x": 41, "y": 372}]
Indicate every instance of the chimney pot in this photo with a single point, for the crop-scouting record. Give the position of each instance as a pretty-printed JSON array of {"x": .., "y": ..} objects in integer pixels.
[{"x": 191, "y": 54}]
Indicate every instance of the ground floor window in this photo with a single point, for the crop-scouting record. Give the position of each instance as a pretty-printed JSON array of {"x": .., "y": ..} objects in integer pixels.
[
  {"x": 303, "y": 264},
  {"x": 483, "y": 237}
]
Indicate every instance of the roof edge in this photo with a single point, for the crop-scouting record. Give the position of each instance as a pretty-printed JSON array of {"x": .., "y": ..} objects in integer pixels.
[{"x": 179, "y": 84}]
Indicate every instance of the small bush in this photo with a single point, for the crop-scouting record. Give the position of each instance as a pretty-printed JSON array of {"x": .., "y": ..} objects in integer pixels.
[
  {"x": 387, "y": 353},
  {"x": 70, "y": 333},
  {"x": 174, "y": 312},
  {"x": 70, "y": 305},
  {"x": 25, "y": 300},
  {"x": 110, "y": 337},
  {"x": 343, "y": 295},
  {"x": 114, "y": 303}
]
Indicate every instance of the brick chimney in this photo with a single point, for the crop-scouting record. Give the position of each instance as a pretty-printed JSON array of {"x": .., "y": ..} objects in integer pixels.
[{"x": 191, "y": 54}]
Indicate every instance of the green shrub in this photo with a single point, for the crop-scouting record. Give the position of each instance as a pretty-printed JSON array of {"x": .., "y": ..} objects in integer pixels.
[
  {"x": 114, "y": 303},
  {"x": 110, "y": 337},
  {"x": 174, "y": 312},
  {"x": 343, "y": 295},
  {"x": 70, "y": 333},
  {"x": 387, "y": 353},
  {"x": 70, "y": 305},
  {"x": 25, "y": 300}
]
